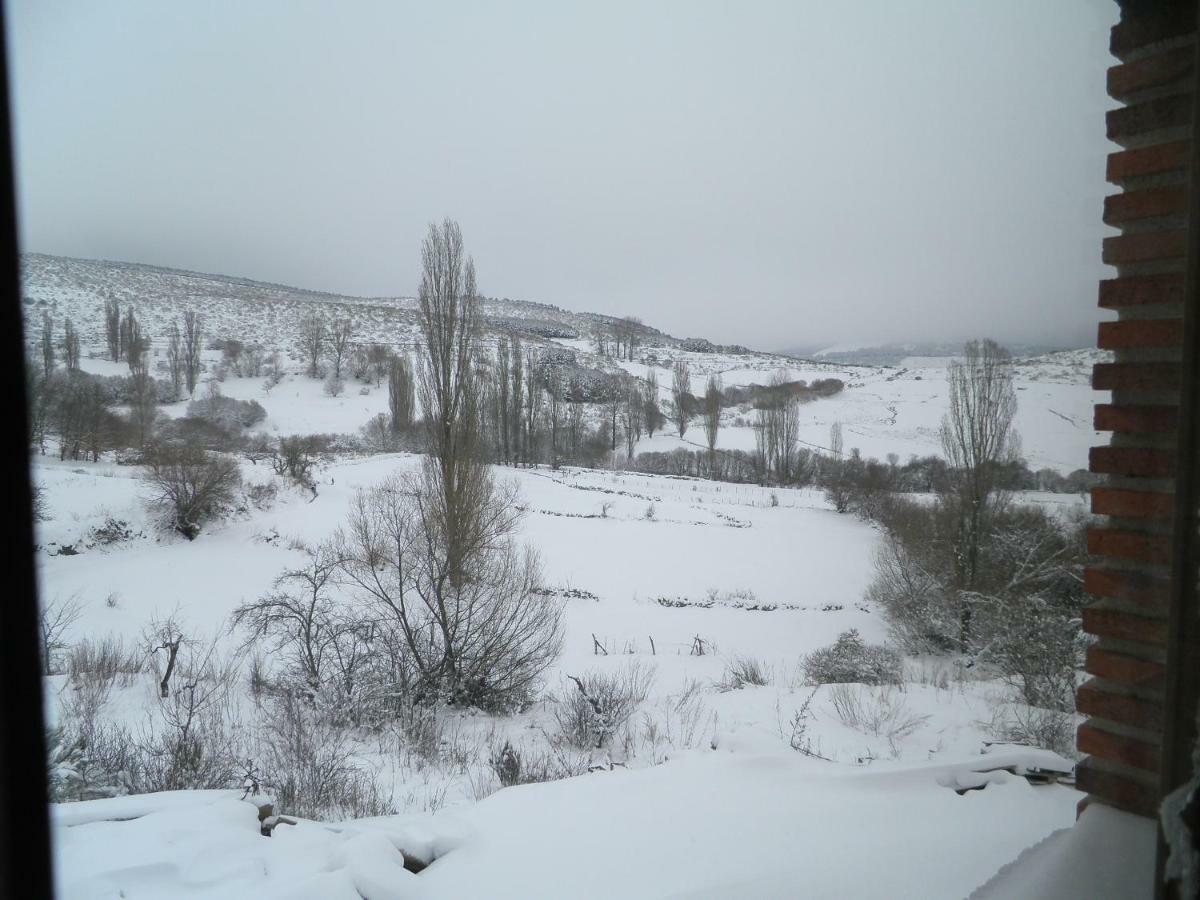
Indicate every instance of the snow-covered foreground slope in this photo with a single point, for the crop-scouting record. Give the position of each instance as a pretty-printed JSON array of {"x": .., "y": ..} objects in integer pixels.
[
  {"x": 707, "y": 825},
  {"x": 703, "y": 796}
]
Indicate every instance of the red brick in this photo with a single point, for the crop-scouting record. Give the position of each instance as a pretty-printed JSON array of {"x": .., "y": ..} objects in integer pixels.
[
  {"x": 1140, "y": 333},
  {"x": 1118, "y": 748},
  {"x": 1125, "y": 669},
  {"x": 1123, "y": 626},
  {"x": 1152, "y": 71},
  {"x": 1153, "y": 160},
  {"x": 1127, "y": 586},
  {"x": 1145, "y": 204},
  {"x": 1160, "y": 22},
  {"x": 1135, "y": 376},
  {"x": 1140, "y": 290},
  {"x": 1092, "y": 699},
  {"x": 1125, "y": 792},
  {"x": 1145, "y": 246},
  {"x": 1125, "y": 122},
  {"x": 1132, "y": 504},
  {"x": 1145, "y": 419},
  {"x": 1132, "y": 462},
  {"x": 1132, "y": 545}
]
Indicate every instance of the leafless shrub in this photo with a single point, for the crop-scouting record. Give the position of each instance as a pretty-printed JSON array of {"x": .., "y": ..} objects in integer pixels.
[
  {"x": 522, "y": 765},
  {"x": 600, "y": 704},
  {"x": 192, "y": 745},
  {"x": 466, "y": 612},
  {"x": 308, "y": 764},
  {"x": 261, "y": 495},
  {"x": 334, "y": 385},
  {"x": 106, "y": 659},
  {"x": 55, "y": 618},
  {"x": 681, "y": 721},
  {"x": 880, "y": 711},
  {"x": 295, "y": 457},
  {"x": 795, "y": 730},
  {"x": 742, "y": 671},
  {"x": 191, "y": 486},
  {"x": 298, "y": 620},
  {"x": 1019, "y": 723}
]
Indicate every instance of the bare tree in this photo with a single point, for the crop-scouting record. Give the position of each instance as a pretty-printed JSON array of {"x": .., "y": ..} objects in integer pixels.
[
  {"x": 574, "y": 418},
  {"x": 42, "y": 395},
  {"x": 401, "y": 393},
  {"x": 340, "y": 335},
  {"x": 55, "y": 619},
  {"x": 470, "y": 618},
  {"x": 502, "y": 399},
  {"x": 298, "y": 617},
  {"x": 554, "y": 391},
  {"x": 143, "y": 406},
  {"x": 47, "y": 345},
  {"x": 532, "y": 410},
  {"x": 70, "y": 346},
  {"x": 136, "y": 343},
  {"x": 977, "y": 438},
  {"x": 112, "y": 329},
  {"x": 516, "y": 399},
  {"x": 835, "y": 440},
  {"x": 712, "y": 420},
  {"x": 193, "y": 339},
  {"x": 191, "y": 486},
  {"x": 632, "y": 413},
  {"x": 175, "y": 363},
  {"x": 81, "y": 416},
  {"x": 448, "y": 307},
  {"x": 164, "y": 636},
  {"x": 379, "y": 360},
  {"x": 681, "y": 394},
  {"x": 653, "y": 412},
  {"x": 312, "y": 334}
]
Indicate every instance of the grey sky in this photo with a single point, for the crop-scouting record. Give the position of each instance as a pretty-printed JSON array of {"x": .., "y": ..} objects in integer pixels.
[{"x": 766, "y": 173}]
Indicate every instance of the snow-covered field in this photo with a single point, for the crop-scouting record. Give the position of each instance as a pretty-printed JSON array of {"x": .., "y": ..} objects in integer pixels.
[{"x": 705, "y": 798}]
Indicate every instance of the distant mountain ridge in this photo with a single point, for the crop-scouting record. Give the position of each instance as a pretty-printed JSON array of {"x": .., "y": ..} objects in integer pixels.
[{"x": 893, "y": 353}]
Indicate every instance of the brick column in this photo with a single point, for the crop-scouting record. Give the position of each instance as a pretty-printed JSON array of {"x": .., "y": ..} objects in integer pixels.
[{"x": 1130, "y": 577}]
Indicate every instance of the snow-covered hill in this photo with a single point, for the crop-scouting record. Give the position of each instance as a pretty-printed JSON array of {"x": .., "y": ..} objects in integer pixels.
[{"x": 884, "y": 409}]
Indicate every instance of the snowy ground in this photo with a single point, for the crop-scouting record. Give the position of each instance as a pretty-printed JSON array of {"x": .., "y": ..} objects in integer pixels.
[
  {"x": 708, "y": 825},
  {"x": 705, "y": 797}
]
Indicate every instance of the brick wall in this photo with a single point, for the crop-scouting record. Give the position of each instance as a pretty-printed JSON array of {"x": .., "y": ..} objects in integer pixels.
[{"x": 1130, "y": 578}]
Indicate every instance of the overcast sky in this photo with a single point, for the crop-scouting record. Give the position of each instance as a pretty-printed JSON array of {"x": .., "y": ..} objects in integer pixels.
[{"x": 767, "y": 173}]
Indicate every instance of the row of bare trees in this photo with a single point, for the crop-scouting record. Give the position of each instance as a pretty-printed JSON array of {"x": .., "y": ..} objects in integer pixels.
[
  {"x": 321, "y": 338},
  {"x": 618, "y": 337}
]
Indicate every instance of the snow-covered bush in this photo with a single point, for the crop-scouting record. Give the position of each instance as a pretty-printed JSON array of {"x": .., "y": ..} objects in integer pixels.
[
  {"x": 851, "y": 660},
  {"x": 113, "y": 531},
  {"x": 227, "y": 412},
  {"x": 589, "y": 714}
]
